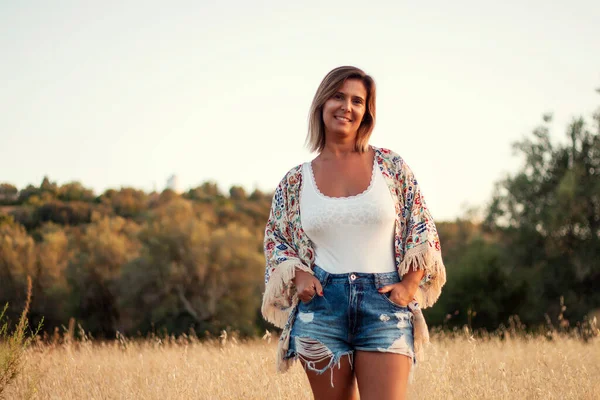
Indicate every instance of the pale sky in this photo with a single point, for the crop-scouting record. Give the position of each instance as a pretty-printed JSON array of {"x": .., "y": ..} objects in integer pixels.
[{"x": 126, "y": 93}]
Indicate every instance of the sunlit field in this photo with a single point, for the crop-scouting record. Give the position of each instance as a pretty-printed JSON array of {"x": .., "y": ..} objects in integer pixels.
[{"x": 457, "y": 367}]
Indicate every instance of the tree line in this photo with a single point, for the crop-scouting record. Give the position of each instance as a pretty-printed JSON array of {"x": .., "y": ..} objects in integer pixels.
[{"x": 135, "y": 262}]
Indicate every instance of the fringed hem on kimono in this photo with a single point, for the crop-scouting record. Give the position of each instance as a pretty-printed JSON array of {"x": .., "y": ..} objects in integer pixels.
[
  {"x": 280, "y": 286},
  {"x": 429, "y": 259}
]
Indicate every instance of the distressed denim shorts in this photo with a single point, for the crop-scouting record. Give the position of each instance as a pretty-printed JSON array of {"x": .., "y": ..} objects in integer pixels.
[{"x": 351, "y": 315}]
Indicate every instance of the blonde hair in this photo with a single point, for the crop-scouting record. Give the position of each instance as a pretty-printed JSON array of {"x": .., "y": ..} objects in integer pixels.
[{"x": 315, "y": 140}]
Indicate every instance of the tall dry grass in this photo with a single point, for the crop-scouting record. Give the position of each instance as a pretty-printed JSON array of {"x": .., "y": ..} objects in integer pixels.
[
  {"x": 14, "y": 342},
  {"x": 458, "y": 366}
]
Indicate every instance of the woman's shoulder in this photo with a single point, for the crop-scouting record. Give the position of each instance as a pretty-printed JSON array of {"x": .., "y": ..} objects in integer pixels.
[
  {"x": 385, "y": 152},
  {"x": 292, "y": 177},
  {"x": 389, "y": 158}
]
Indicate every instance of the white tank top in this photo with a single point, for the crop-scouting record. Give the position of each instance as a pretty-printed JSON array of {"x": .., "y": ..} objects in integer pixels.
[{"x": 350, "y": 234}]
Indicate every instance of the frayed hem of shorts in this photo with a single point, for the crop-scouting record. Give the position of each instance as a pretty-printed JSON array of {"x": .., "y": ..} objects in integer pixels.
[{"x": 308, "y": 364}]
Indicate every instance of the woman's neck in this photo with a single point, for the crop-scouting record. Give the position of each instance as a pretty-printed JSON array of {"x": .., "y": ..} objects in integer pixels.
[{"x": 339, "y": 149}]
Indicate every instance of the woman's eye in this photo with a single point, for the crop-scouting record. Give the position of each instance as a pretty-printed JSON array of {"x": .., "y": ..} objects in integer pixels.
[
  {"x": 358, "y": 101},
  {"x": 338, "y": 96}
]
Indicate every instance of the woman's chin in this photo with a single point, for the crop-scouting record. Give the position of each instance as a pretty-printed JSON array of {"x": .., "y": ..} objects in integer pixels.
[{"x": 340, "y": 131}]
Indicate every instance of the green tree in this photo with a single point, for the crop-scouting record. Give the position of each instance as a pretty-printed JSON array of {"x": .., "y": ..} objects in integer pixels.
[
  {"x": 75, "y": 191},
  {"x": 127, "y": 202},
  {"x": 189, "y": 275},
  {"x": 8, "y": 193},
  {"x": 549, "y": 217},
  {"x": 27, "y": 193},
  {"x": 63, "y": 213},
  {"x": 51, "y": 287},
  {"x": 50, "y": 187},
  {"x": 93, "y": 273},
  {"x": 237, "y": 193},
  {"x": 8, "y": 189},
  {"x": 207, "y": 192},
  {"x": 17, "y": 261}
]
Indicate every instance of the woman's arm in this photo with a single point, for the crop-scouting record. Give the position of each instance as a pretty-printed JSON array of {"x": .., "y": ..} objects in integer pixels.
[
  {"x": 421, "y": 267},
  {"x": 282, "y": 260}
]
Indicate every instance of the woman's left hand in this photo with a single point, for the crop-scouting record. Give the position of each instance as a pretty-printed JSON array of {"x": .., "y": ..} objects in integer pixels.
[{"x": 401, "y": 293}]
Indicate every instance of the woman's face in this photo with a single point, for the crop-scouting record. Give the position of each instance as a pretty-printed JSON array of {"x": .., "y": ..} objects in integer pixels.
[{"x": 344, "y": 111}]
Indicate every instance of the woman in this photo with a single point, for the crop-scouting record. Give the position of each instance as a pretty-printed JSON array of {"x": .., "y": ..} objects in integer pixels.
[{"x": 351, "y": 252}]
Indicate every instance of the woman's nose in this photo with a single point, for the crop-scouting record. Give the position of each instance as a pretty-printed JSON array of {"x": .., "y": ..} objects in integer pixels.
[{"x": 347, "y": 106}]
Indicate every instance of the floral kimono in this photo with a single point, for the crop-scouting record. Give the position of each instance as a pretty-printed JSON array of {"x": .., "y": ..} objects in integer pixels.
[{"x": 287, "y": 248}]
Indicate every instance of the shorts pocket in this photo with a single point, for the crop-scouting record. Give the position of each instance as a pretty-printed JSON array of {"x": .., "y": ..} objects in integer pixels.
[
  {"x": 386, "y": 297},
  {"x": 310, "y": 301},
  {"x": 314, "y": 298}
]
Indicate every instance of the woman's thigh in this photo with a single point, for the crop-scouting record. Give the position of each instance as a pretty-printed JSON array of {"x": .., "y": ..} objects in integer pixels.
[
  {"x": 343, "y": 379},
  {"x": 320, "y": 329},
  {"x": 318, "y": 338},
  {"x": 381, "y": 376}
]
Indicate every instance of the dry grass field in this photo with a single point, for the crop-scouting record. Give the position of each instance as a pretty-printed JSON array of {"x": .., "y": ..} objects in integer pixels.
[{"x": 457, "y": 367}]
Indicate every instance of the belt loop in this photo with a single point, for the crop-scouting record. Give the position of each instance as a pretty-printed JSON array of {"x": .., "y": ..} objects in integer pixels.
[
  {"x": 317, "y": 271},
  {"x": 321, "y": 274},
  {"x": 325, "y": 277}
]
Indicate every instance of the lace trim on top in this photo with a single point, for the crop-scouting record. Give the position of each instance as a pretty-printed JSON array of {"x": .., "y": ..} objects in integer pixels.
[{"x": 364, "y": 192}]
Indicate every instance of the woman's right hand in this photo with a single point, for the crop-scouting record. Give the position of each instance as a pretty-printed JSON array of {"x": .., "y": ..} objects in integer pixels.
[{"x": 307, "y": 286}]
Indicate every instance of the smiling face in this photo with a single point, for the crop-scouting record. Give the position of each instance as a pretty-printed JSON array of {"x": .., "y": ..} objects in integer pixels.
[{"x": 344, "y": 111}]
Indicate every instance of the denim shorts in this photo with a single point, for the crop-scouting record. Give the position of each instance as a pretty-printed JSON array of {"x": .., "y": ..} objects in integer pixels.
[{"x": 351, "y": 315}]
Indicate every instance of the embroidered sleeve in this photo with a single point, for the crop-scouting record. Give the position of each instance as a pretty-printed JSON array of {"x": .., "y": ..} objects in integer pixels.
[
  {"x": 281, "y": 260},
  {"x": 421, "y": 243}
]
